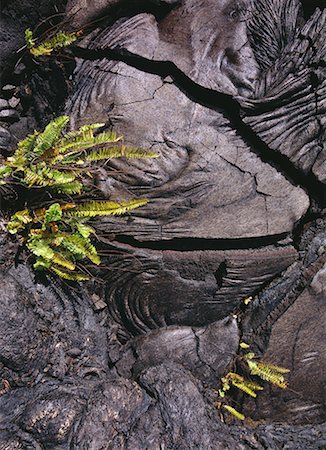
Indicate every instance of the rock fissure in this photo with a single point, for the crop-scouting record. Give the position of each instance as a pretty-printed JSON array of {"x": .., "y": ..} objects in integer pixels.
[{"x": 212, "y": 99}]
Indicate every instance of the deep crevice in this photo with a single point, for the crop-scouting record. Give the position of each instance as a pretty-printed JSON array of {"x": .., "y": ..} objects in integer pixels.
[
  {"x": 215, "y": 100},
  {"x": 193, "y": 244}
]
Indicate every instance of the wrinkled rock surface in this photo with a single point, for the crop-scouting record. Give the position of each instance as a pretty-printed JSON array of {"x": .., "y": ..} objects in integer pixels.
[{"x": 232, "y": 96}]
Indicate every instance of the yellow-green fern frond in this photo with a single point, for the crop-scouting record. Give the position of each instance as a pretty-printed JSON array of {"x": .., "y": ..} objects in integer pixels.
[
  {"x": 234, "y": 412},
  {"x": 71, "y": 276},
  {"x": 50, "y": 134},
  {"x": 274, "y": 368},
  {"x": 69, "y": 188},
  {"x": 5, "y": 172},
  {"x": 81, "y": 246},
  {"x": 84, "y": 230},
  {"x": 243, "y": 384},
  {"x": 105, "y": 208},
  {"x": 30, "y": 42},
  {"x": 24, "y": 152},
  {"x": 83, "y": 141},
  {"x": 267, "y": 374},
  {"x": 46, "y": 48},
  {"x": 119, "y": 152},
  {"x": 18, "y": 221}
]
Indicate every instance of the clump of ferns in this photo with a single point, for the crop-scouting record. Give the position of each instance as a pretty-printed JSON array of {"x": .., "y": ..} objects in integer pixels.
[
  {"x": 45, "y": 48},
  {"x": 58, "y": 235},
  {"x": 252, "y": 370}
]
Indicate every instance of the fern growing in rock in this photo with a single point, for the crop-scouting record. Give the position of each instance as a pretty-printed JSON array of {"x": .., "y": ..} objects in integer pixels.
[
  {"x": 58, "y": 236},
  {"x": 45, "y": 48},
  {"x": 56, "y": 161},
  {"x": 265, "y": 371}
]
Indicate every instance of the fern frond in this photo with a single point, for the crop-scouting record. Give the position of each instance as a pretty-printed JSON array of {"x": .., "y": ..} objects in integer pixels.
[
  {"x": 85, "y": 132},
  {"x": 138, "y": 153},
  {"x": 119, "y": 152},
  {"x": 84, "y": 230},
  {"x": 68, "y": 188},
  {"x": 267, "y": 374},
  {"x": 72, "y": 276},
  {"x": 18, "y": 221},
  {"x": 30, "y": 42},
  {"x": 52, "y": 214},
  {"x": 81, "y": 246},
  {"x": 5, "y": 171},
  {"x": 46, "y": 48},
  {"x": 32, "y": 177},
  {"x": 41, "y": 264},
  {"x": 40, "y": 247},
  {"x": 83, "y": 141},
  {"x": 60, "y": 177},
  {"x": 61, "y": 260},
  {"x": 24, "y": 152},
  {"x": 105, "y": 208},
  {"x": 243, "y": 384},
  {"x": 50, "y": 134},
  {"x": 234, "y": 412},
  {"x": 274, "y": 368}
]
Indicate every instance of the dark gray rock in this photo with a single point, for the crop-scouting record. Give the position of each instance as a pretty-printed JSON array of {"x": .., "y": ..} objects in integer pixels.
[
  {"x": 134, "y": 361},
  {"x": 3, "y": 104},
  {"x": 5, "y": 137},
  {"x": 14, "y": 102},
  {"x": 9, "y": 115},
  {"x": 8, "y": 90}
]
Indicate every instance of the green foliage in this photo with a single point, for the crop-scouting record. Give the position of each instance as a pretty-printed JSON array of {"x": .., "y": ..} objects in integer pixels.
[
  {"x": 234, "y": 412},
  {"x": 60, "y": 239},
  {"x": 56, "y": 161},
  {"x": 119, "y": 152},
  {"x": 59, "y": 40},
  {"x": 106, "y": 208},
  {"x": 265, "y": 371},
  {"x": 58, "y": 236},
  {"x": 268, "y": 372},
  {"x": 30, "y": 42}
]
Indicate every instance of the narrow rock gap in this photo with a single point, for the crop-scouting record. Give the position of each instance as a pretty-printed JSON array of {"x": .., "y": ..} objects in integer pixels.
[
  {"x": 191, "y": 244},
  {"x": 214, "y": 100}
]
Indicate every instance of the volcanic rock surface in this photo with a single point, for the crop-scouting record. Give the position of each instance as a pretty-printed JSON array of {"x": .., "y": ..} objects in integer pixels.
[{"x": 232, "y": 95}]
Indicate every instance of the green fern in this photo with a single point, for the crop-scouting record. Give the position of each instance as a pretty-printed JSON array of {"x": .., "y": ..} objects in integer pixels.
[
  {"x": 265, "y": 372},
  {"x": 81, "y": 247},
  {"x": 119, "y": 152},
  {"x": 71, "y": 276},
  {"x": 18, "y": 221},
  {"x": 247, "y": 386},
  {"x": 52, "y": 159},
  {"x": 69, "y": 188},
  {"x": 30, "y": 42},
  {"x": 234, "y": 412},
  {"x": 46, "y": 48},
  {"x": 58, "y": 236},
  {"x": 268, "y": 372},
  {"x": 50, "y": 135},
  {"x": 105, "y": 208}
]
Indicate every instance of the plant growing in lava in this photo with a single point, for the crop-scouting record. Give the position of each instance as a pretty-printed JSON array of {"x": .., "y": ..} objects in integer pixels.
[
  {"x": 57, "y": 235},
  {"x": 255, "y": 368},
  {"x": 45, "y": 48}
]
